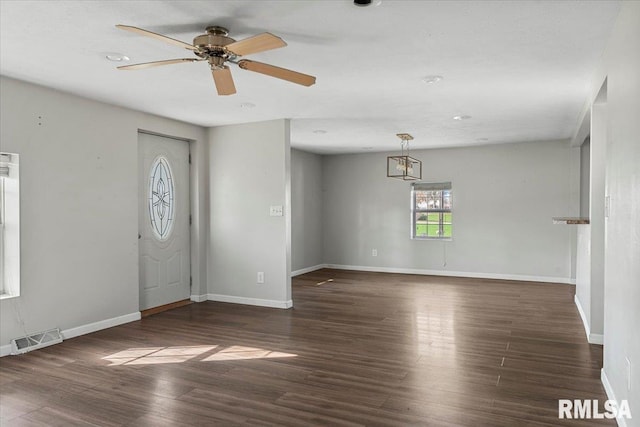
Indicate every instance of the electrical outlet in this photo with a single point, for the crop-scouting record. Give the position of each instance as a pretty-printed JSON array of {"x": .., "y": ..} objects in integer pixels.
[
  {"x": 276, "y": 210},
  {"x": 374, "y": 252},
  {"x": 260, "y": 276},
  {"x": 628, "y": 373}
]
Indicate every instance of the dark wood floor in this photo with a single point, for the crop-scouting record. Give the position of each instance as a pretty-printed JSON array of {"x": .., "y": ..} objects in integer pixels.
[{"x": 365, "y": 349}]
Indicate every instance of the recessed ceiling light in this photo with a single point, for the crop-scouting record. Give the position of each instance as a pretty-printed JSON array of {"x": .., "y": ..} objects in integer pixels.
[
  {"x": 116, "y": 57},
  {"x": 320, "y": 131},
  {"x": 247, "y": 105},
  {"x": 461, "y": 117},
  {"x": 431, "y": 79}
]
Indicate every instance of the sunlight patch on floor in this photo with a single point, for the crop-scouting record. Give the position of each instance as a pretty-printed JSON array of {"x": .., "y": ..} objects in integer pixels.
[
  {"x": 237, "y": 352},
  {"x": 179, "y": 354}
]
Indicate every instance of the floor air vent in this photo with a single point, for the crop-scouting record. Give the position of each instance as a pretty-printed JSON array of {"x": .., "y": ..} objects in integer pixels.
[{"x": 36, "y": 341}]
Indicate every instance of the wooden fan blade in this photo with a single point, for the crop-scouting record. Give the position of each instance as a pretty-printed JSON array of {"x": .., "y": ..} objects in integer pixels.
[
  {"x": 156, "y": 36},
  {"x": 277, "y": 72},
  {"x": 157, "y": 63},
  {"x": 255, "y": 44},
  {"x": 224, "y": 81}
]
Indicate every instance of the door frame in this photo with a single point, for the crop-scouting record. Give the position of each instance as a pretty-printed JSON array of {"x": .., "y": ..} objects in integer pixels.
[{"x": 192, "y": 182}]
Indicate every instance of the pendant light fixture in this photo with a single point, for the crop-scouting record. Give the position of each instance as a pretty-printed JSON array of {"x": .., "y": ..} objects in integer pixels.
[{"x": 404, "y": 166}]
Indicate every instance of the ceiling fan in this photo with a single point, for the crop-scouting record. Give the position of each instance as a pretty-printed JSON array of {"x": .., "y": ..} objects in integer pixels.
[{"x": 217, "y": 48}]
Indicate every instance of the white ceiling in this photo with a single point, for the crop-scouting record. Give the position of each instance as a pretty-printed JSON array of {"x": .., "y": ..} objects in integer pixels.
[{"x": 521, "y": 69}]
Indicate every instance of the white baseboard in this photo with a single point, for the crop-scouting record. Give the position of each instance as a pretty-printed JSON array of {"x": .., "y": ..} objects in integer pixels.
[
  {"x": 198, "y": 298},
  {"x": 591, "y": 338},
  {"x": 307, "y": 270},
  {"x": 622, "y": 422},
  {"x": 250, "y": 301},
  {"x": 497, "y": 276},
  {"x": 102, "y": 324},
  {"x": 583, "y": 316},
  {"x": 596, "y": 339},
  {"x": 5, "y": 350}
]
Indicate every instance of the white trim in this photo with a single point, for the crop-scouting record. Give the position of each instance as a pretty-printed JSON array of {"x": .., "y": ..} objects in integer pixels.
[
  {"x": 5, "y": 350},
  {"x": 583, "y": 316},
  {"x": 250, "y": 301},
  {"x": 622, "y": 422},
  {"x": 308, "y": 269},
  {"x": 498, "y": 276},
  {"x": 591, "y": 338},
  {"x": 102, "y": 324},
  {"x": 198, "y": 298}
]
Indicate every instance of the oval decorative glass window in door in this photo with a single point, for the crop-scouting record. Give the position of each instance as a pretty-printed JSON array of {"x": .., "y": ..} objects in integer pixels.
[{"x": 161, "y": 198}]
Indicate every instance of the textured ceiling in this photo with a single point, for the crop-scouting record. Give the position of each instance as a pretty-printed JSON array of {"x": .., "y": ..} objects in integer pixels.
[{"x": 520, "y": 69}]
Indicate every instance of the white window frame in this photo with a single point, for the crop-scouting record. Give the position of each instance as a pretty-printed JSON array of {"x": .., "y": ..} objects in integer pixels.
[
  {"x": 441, "y": 210},
  {"x": 9, "y": 225},
  {"x": 2, "y": 220}
]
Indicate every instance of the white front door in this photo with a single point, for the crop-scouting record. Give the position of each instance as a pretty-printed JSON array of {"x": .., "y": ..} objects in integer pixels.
[{"x": 163, "y": 220}]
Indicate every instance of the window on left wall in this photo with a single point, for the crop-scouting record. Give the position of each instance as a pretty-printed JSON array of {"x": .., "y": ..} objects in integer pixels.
[{"x": 9, "y": 225}]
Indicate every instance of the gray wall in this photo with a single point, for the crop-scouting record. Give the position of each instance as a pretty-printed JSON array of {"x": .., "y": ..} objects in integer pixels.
[
  {"x": 504, "y": 197},
  {"x": 597, "y": 162},
  {"x": 585, "y": 177},
  {"x": 249, "y": 172},
  {"x": 79, "y": 208},
  {"x": 621, "y": 67},
  {"x": 306, "y": 210},
  {"x": 583, "y": 281}
]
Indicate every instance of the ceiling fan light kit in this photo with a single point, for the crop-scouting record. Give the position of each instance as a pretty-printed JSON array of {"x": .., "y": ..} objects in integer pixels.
[
  {"x": 217, "y": 48},
  {"x": 404, "y": 166}
]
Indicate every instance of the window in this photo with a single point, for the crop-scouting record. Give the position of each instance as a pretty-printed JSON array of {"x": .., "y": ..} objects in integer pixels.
[
  {"x": 161, "y": 198},
  {"x": 431, "y": 211},
  {"x": 9, "y": 226}
]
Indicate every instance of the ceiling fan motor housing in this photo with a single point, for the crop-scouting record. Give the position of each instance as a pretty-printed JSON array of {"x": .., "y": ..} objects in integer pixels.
[{"x": 211, "y": 45}]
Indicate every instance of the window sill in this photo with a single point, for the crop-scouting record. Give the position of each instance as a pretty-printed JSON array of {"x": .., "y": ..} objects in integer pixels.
[
  {"x": 7, "y": 296},
  {"x": 444, "y": 239}
]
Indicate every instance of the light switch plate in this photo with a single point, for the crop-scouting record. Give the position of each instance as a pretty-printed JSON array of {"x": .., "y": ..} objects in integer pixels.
[{"x": 275, "y": 210}]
